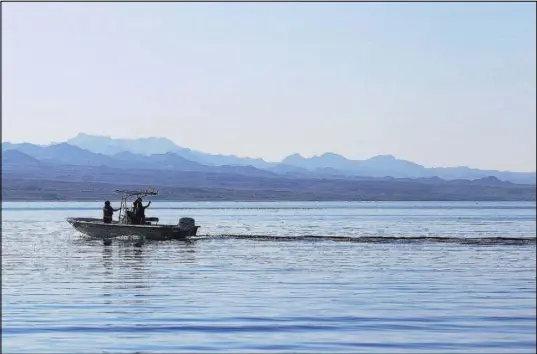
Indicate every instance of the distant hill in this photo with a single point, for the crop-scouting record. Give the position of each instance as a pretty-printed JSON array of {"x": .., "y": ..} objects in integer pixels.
[
  {"x": 151, "y": 146},
  {"x": 162, "y": 153},
  {"x": 65, "y": 172},
  {"x": 389, "y": 166},
  {"x": 18, "y": 158},
  {"x": 63, "y": 154},
  {"x": 15, "y": 160},
  {"x": 63, "y": 182}
]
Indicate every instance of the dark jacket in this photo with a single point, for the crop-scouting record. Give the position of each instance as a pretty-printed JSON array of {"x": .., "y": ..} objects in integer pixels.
[
  {"x": 139, "y": 209},
  {"x": 108, "y": 211}
]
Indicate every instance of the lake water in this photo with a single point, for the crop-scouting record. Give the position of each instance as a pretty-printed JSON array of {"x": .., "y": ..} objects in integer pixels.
[{"x": 376, "y": 277}]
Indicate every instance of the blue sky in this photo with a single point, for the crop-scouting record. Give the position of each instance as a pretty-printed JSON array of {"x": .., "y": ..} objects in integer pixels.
[{"x": 441, "y": 84}]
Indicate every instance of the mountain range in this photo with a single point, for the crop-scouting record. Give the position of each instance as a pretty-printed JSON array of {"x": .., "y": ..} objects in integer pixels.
[{"x": 163, "y": 154}]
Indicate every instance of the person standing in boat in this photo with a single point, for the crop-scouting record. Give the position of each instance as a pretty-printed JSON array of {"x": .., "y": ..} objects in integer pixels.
[
  {"x": 108, "y": 212},
  {"x": 139, "y": 211}
]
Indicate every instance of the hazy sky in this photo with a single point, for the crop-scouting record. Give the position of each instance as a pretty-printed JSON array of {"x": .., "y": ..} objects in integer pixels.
[{"x": 441, "y": 84}]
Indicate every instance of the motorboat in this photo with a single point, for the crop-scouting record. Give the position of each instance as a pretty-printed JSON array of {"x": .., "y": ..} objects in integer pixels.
[{"x": 149, "y": 229}]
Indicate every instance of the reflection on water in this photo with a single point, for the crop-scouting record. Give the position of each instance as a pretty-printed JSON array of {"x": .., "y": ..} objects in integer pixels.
[
  {"x": 108, "y": 261},
  {"x": 343, "y": 290},
  {"x": 129, "y": 268}
]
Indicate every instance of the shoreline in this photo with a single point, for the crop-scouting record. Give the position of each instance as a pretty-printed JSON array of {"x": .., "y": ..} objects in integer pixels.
[
  {"x": 277, "y": 200},
  {"x": 246, "y": 190}
]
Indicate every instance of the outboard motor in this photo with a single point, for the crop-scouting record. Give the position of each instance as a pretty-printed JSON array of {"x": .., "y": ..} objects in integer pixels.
[{"x": 187, "y": 224}]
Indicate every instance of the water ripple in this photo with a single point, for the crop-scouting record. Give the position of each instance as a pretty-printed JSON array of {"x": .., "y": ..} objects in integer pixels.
[
  {"x": 383, "y": 239},
  {"x": 457, "y": 280}
]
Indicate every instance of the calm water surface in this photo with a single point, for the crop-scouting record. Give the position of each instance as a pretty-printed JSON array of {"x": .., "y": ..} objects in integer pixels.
[{"x": 249, "y": 292}]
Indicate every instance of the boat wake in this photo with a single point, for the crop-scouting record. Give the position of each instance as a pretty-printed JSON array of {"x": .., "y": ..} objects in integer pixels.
[{"x": 383, "y": 239}]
